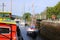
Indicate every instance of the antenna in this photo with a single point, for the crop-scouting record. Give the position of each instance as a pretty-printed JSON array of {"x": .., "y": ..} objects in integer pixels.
[
  {"x": 33, "y": 8},
  {"x": 33, "y": 14},
  {"x": 11, "y": 6},
  {"x": 32, "y": 11},
  {"x": 3, "y": 5}
]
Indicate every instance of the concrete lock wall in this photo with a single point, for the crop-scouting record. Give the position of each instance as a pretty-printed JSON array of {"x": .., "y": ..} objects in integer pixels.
[{"x": 50, "y": 30}]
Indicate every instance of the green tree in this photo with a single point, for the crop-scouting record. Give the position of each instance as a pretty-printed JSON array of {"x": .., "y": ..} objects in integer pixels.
[
  {"x": 50, "y": 11},
  {"x": 53, "y": 10},
  {"x": 27, "y": 16},
  {"x": 57, "y": 7}
]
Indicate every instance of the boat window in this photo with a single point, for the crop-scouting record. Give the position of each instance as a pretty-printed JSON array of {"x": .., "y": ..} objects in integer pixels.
[
  {"x": 6, "y": 15},
  {"x": 4, "y": 30},
  {"x": 1, "y": 15}
]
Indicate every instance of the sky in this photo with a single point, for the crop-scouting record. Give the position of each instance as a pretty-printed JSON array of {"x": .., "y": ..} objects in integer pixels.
[{"x": 21, "y": 6}]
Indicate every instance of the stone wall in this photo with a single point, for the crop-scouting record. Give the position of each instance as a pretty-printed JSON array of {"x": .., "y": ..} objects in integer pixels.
[{"x": 50, "y": 30}]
